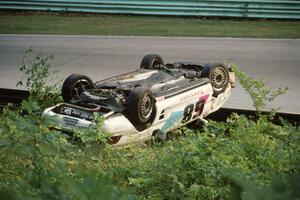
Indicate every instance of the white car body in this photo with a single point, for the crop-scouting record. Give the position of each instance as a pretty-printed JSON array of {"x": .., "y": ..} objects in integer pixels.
[{"x": 172, "y": 109}]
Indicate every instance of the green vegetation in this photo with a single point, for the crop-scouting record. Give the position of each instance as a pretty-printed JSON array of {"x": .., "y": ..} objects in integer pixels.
[
  {"x": 260, "y": 94},
  {"x": 85, "y": 24},
  {"x": 236, "y": 159},
  {"x": 39, "y": 79}
]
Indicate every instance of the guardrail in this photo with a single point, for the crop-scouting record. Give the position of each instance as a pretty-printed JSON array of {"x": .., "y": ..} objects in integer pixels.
[
  {"x": 17, "y": 96},
  {"x": 223, "y": 113},
  {"x": 280, "y": 9},
  {"x": 12, "y": 96}
]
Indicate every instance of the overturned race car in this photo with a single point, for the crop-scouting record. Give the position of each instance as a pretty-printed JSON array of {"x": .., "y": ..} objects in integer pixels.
[{"x": 147, "y": 102}]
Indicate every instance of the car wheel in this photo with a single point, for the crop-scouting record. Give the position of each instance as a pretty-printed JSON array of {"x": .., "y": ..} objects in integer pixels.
[
  {"x": 218, "y": 75},
  {"x": 74, "y": 85},
  {"x": 151, "y": 61},
  {"x": 140, "y": 108}
]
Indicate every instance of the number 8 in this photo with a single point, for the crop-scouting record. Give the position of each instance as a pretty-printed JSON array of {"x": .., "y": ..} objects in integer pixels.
[{"x": 187, "y": 114}]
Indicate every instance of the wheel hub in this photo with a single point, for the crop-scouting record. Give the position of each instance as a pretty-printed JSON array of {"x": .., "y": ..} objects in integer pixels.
[
  {"x": 155, "y": 64},
  {"x": 218, "y": 77},
  {"x": 146, "y": 106},
  {"x": 79, "y": 87}
]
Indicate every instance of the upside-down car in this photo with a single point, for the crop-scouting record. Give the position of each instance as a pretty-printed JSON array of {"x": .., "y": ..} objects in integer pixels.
[{"x": 147, "y": 102}]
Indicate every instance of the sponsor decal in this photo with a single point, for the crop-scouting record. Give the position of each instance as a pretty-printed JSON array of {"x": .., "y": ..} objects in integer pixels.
[
  {"x": 191, "y": 95},
  {"x": 159, "y": 99}
]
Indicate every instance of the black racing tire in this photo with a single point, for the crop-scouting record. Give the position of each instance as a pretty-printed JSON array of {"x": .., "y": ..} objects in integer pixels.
[
  {"x": 140, "y": 109},
  {"x": 151, "y": 61},
  {"x": 218, "y": 75},
  {"x": 74, "y": 85}
]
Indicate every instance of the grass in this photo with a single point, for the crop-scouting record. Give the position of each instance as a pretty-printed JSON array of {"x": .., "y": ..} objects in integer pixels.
[{"x": 86, "y": 24}]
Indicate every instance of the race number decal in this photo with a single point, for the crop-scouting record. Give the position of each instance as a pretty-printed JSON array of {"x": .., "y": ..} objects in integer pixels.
[
  {"x": 198, "y": 108},
  {"x": 188, "y": 112},
  {"x": 200, "y": 105}
]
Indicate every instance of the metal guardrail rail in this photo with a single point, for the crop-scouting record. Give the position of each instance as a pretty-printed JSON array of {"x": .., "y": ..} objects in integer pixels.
[
  {"x": 12, "y": 96},
  {"x": 223, "y": 113},
  {"x": 17, "y": 96},
  {"x": 280, "y": 9}
]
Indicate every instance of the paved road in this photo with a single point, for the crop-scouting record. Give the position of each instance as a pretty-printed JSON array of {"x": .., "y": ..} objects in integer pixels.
[{"x": 275, "y": 61}]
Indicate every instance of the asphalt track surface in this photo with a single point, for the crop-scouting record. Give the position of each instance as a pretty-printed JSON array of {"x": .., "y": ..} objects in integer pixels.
[{"x": 273, "y": 60}]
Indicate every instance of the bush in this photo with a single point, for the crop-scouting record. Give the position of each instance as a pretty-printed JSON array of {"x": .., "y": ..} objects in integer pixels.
[
  {"x": 41, "y": 163},
  {"x": 201, "y": 166},
  {"x": 40, "y": 78}
]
